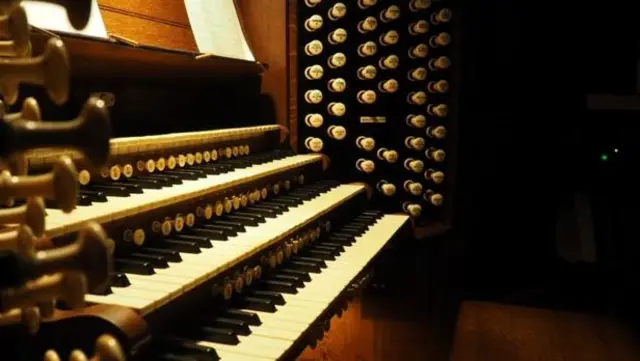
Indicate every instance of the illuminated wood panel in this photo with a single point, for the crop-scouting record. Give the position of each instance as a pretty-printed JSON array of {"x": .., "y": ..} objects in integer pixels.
[{"x": 162, "y": 23}]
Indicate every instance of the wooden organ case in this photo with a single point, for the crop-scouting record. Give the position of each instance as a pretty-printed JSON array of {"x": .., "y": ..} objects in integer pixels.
[{"x": 245, "y": 201}]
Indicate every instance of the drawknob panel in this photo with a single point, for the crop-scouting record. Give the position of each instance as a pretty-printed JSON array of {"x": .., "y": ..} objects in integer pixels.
[{"x": 375, "y": 90}]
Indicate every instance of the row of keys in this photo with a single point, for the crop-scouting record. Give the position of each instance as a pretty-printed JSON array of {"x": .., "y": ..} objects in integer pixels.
[
  {"x": 269, "y": 317},
  {"x": 166, "y": 266}
]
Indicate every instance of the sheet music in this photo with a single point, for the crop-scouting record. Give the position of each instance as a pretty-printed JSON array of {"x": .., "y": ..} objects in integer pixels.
[
  {"x": 216, "y": 28},
  {"x": 54, "y": 17}
]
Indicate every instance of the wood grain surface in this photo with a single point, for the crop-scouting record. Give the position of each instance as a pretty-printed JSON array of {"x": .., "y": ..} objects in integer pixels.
[{"x": 496, "y": 332}]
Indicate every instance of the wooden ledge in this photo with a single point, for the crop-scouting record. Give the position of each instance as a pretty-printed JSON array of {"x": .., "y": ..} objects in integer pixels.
[{"x": 102, "y": 58}]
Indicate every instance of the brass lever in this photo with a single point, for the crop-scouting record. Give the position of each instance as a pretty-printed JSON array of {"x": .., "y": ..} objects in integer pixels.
[
  {"x": 30, "y": 111},
  {"x": 69, "y": 287},
  {"x": 107, "y": 349},
  {"x": 15, "y": 28},
  {"x": 89, "y": 132},
  {"x": 31, "y": 214},
  {"x": 90, "y": 253},
  {"x": 50, "y": 69},
  {"x": 29, "y": 317},
  {"x": 61, "y": 184}
]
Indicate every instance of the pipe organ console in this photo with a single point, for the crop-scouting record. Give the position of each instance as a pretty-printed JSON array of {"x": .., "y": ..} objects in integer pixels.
[
  {"x": 213, "y": 243},
  {"x": 394, "y": 87}
]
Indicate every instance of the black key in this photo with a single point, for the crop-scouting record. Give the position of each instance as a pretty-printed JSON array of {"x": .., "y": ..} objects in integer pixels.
[
  {"x": 169, "y": 254},
  {"x": 94, "y": 196},
  {"x": 304, "y": 266},
  {"x": 352, "y": 230},
  {"x": 228, "y": 230},
  {"x": 278, "y": 206},
  {"x": 265, "y": 211},
  {"x": 157, "y": 261},
  {"x": 207, "y": 170},
  {"x": 126, "y": 265},
  {"x": 239, "y": 227},
  {"x": 110, "y": 191},
  {"x": 317, "y": 261},
  {"x": 290, "y": 200},
  {"x": 278, "y": 286},
  {"x": 210, "y": 234},
  {"x": 275, "y": 297},
  {"x": 173, "y": 357},
  {"x": 322, "y": 254},
  {"x": 345, "y": 241},
  {"x": 330, "y": 245},
  {"x": 296, "y": 272},
  {"x": 362, "y": 224},
  {"x": 130, "y": 187},
  {"x": 187, "y": 346},
  {"x": 168, "y": 178},
  {"x": 220, "y": 335},
  {"x": 350, "y": 237},
  {"x": 257, "y": 304},
  {"x": 258, "y": 218},
  {"x": 376, "y": 214},
  {"x": 246, "y": 221},
  {"x": 182, "y": 174},
  {"x": 119, "y": 280},
  {"x": 182, "y": 246},
  {"x": 240, "y": 327},
  {"x": 147, "y": 183},
  {"x": 250, "y": 317},
  {"x": 284, "y": 202},
  {"x": 202, "y": 241},
  {"x": 297, "y": 281}
]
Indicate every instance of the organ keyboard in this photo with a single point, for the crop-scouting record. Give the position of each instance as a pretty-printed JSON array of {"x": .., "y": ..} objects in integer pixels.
[
  {"x": 257, "y": 233},
  {"x": 223, "y": 244}
]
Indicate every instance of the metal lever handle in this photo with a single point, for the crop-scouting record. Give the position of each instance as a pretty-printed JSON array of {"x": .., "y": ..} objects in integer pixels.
[
  {"x": 50, "y": 69},
  {"x": 31, "y": 214},
  {"x": 16, "y": 28},
  {"x": 69, "y": 287},
  {"x": 90, "y": 254},
  {"x": 89, "y": 132},
  {"x": 61, "y": 184},
  {"x": 107, "y": 349}
]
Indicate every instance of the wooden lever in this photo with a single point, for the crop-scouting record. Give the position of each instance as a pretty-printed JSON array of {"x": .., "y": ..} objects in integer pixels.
[
  {"x": 16, "y": 28},
  {"x": 69, "y": 287},
  {"x": 107, "y": 349},
  {"x": 89, "y": 132},
  {"x": 31, "y": 214},
  {"x": 50, "y": 69},
  {"x": 78, "y": 11},
  {"x": 61, "y": 184}
]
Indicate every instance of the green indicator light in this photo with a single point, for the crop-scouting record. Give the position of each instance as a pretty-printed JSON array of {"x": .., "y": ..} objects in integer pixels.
[{"x": 604, "y": 157}]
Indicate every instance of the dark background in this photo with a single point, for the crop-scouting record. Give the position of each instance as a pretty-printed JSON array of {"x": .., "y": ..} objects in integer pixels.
[{"x": 528, "y": 143}]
